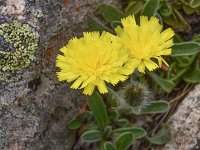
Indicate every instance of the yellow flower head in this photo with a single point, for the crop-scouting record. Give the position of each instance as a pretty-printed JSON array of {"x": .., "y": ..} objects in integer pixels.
[
  {"x": 145, "y": 41},
  {"x": 91, "y": 60}
]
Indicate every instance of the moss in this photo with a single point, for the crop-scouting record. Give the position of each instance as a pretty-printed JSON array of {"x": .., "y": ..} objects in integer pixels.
[{"x": 18, "y": 44}]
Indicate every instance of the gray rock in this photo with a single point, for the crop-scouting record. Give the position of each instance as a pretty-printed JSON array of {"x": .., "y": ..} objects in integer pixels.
[
  {"x": 34, "y": 106},
  {"x": 185, "y": 124}
]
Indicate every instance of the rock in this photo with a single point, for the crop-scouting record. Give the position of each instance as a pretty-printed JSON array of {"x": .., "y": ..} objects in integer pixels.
[
  {"x": 185, "y": 124},
  {"x": 34, "y": 106}
]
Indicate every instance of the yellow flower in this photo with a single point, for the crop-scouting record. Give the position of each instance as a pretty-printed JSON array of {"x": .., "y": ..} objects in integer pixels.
[
  {"x": 145, "y": 41},
  {"x": 91, "y": 60}
]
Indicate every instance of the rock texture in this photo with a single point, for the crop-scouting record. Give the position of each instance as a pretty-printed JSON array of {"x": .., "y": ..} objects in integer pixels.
[
  {"x": 185, "y": 124},
  {"x": 34, "y": 106}
]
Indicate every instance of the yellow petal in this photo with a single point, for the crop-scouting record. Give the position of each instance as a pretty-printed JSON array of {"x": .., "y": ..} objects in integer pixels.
[
  {"x": 159, "y": 61},
  {"x": 88, "y": 90},
  {"x": 143, "y": 20},
  {"x": 87, "y": 80},
  {"x": 141, "y": 67},
  {"x": 77, "y": 83},
  {"x": 164, "y": 52},
  {"x": 165, "y": 62},
  {"x": 102, "y": 87},
  {"x": 130, "y": 20},
  {"x": 150, "y": 65},
  {"x": 62, "y": 76},
  {"x": 167, "y": 34}
]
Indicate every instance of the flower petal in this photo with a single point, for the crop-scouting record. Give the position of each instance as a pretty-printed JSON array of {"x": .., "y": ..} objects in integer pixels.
[
  {"x": 141, "y": 67},
  {"x": 88, "y": 90},
  {"x": 150, "y": 65},
  {"x": 102, "y": 87},
  {"x": 167, "y": 34},
  {"x": 130, "y": 20}
]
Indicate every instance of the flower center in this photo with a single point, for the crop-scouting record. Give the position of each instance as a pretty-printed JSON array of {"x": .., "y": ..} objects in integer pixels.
[{"x": 95, "y": 66}]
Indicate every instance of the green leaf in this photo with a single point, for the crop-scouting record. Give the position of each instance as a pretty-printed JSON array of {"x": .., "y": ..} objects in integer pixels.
[
  {"x": 109, "y": 12},
  {"x": 183, "y": 2},
  {"x": 134, "y": 7},
  {"x": 86, "y": 115},
  {"x": 75, "y": 123},
  {"x": 162, "y": 137},
  {"x": 170, "y": 71},
  {"x": 196, "y": 38},
  {"x": 165, "y": 9},
  {"x": 180, "y": 73},
  {"x": 124, "y": 141},
  {"x": 91, "y": 126},
  {"x": 95, "y": 25},
  {"x": 155, "y": 107},
  {"x": 113, "y": 94},
  {"x": 178, "y": 5},
  {"x": 111, "y": 99},
  {"x": 114, "y": 115},
  {"x": 177, "y": 38},
  {"x": 166, "y": 85},
  {"x": 188, "y": 10},
  {"x": 176, "y": 21},
  {"x": 185, "y": 49},
  {"x": 150, "y": 8},
  {"x": 107, "y": 131},
  {"x": 109, "y": 146},
  {"x": 194, "y": 3},
  {"x": 193, "y": 74},
  {"x": 136, "y": 131},
  {"x": 91, "y": 136},
  {"x": 98, "y": 108},
  {"x": 184, "y": 61},
  {"x": 122, "y": 122}
]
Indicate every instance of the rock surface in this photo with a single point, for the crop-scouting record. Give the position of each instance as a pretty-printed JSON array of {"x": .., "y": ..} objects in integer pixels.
[
  {"x": 34, "y": 106},
  {"x": 185, "y": 124}
]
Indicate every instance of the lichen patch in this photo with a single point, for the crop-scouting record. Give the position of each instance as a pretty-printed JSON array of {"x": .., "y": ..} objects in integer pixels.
[{"x": 18, "y": 44}]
